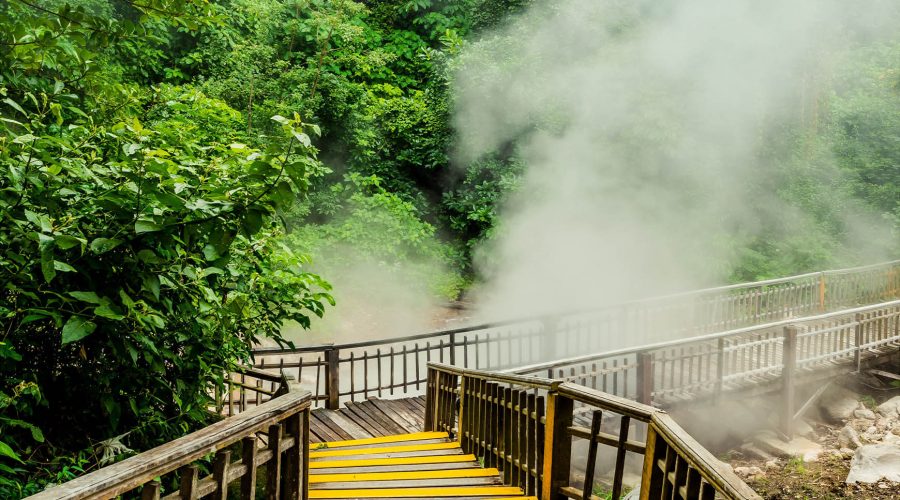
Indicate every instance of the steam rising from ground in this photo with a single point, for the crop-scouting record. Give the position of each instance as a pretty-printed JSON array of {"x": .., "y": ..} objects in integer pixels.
[{"x": 646, "y": 127}]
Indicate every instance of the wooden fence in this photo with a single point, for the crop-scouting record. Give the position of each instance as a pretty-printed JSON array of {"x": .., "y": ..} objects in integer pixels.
[
  {"x": 271, "y": 441},
  {"x": 355, "y": 371},
  {"x": 708, "y": 365},
  {"x": 526, "y": 427}
]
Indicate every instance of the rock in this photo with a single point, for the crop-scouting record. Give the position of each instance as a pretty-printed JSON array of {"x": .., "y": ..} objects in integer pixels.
[
  {"x": 864, "y": 413},
  {"x": 772, "y": 464},
  {"x": 896, "y": 430},
  {"x": 890, "y": 409},
  {"x": 797, "y": 447},
  {"x": 748, "y": 472},
  {"x": 874, "y": 462},
  {"x": 751, "y": 449},
  {"x": 803, "y": 428},
  {"x": 846, "y": 452},
  {"x": 838, "y": 404},
  {"x": 849, "y": 438}
]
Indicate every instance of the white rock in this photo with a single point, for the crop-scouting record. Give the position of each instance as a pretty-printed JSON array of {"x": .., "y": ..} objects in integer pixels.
[
  {"x": 838, "y": 404},
  {"x": 864, "y": 413},
  {"x": 748, "y": 471},
  {"x": 848, "y": 438},
  {"x": 890, "y": 408},
  {"x": 875, "y": 462},
  {"x": 797, "y": 447}
]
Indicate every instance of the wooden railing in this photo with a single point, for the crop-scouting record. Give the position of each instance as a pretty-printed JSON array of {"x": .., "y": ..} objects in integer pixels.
[
  {"x": 708, "y": 365},
  {"x": 270, "y": 439},
  {"x": 393, "y": 366},
  {"x": 249, "y": 388},
  {"x": 526, "y": 427}
]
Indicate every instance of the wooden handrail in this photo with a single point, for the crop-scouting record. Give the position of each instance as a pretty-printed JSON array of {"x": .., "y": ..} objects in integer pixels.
[
  {"x": 513, "y": 321},
  {"x": 609, "y": 402},
  {"x": 719, "y": 475},
  {"x": 130, "y": 473},
  {"x": 499, "y": 377},
  {"x": 489, "y": 412},
  {"x": 550, "y": 365}
]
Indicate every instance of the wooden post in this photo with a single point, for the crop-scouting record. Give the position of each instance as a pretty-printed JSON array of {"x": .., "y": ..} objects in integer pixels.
[
  {"x": 430, "y": 394},
  {"x": 220, "y": 474},
  {"x": 304, "y": 461},
  {"x": 557, "y": 445},
  {"x": 789, "y": 365},
  {"x": 720, "y": 368},
  {"x": 189, "y": 480},
  {"x": 332, "y": 378},
  {"x": 645, "y": 378},
  {"x": 461, "y": 426},
  {"x": 248, "y": 457},
  {"x": 292, "y": 468},
  {"x": 822, "y": 292},
  {"x": 588, "y": 488},
  {"x": 273, "y": 467},
  {"x": 453, "y": 349},
  {"x": 858, "y": 339},
  {"x": 150, "y": 491}
]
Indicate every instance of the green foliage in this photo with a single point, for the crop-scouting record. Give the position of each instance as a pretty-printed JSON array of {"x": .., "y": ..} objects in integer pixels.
[{"x": 140, "y": 253}]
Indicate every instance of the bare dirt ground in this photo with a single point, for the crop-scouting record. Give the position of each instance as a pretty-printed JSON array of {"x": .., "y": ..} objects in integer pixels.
[{"x": 823, "y": 479}]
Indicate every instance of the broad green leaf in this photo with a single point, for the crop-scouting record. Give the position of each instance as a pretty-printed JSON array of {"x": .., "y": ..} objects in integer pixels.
[
  {"x": 6, "y": 451},
  {"x": 63, "y": 267},
  {"x": 146, "y": 226},
  {"x": 77, "y": 328},
  {"x": 89, "y": 297},
  {"x": 105, "y": 311},
  {"x": 103, "y": 245},
  {"x": 278, "y": 118},
  {"x": 15, "y": 106}
]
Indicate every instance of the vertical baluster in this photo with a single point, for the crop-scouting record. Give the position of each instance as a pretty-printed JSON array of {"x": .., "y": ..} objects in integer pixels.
[
  {"x": 273, "y": 466},
  {"x": 352, "y": 376},
  {"x": 405, "y": 372},
  {"x": 624, "y": 426},
  {"x": 150, "y": 491},
  {"x": 189, "y": 480},
  {"x": 588, "y": 488},
  {"x": 392, "y": 369},
  {"x": 220, "y": 474},
  {"x": 248, "y": 458}
]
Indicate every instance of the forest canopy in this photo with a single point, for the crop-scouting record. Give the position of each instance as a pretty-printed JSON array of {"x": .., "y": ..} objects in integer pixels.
[{"x": 176, "y": 176}]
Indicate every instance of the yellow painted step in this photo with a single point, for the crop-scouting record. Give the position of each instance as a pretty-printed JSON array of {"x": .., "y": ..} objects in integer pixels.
[
  {"x": 395, "y": 476},
  {"x": 385, "y": 449},
  {"x": 463, "y": 491},
  {"x": 373, "y": 462},
  {"x": 416, "y": 436}
]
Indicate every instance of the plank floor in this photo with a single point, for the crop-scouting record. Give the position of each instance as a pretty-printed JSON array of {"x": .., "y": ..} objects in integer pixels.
[
  {"x": 368, "y": 419},
  {"x": 409, "y": 465}
]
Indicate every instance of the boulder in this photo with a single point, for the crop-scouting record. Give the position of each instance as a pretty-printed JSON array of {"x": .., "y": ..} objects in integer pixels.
[
  {"x": 838, "y": 404},
  {"x": 748, "y": 472},
  {"x": 864, "y": 413},
  {"x": 797, "y": 447},
  {"x": 875, "y": 462},
  {"x": 890, "y": 409},
  {"x": 848, "y": 438}
]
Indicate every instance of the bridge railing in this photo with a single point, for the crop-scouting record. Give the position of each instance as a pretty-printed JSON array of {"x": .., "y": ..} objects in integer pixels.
[
  {"x": 269, "y": 440},
  {"x": 708, "y": 365},
  {"x": 355, "y": 371},
  {"x": 534, "y": 430}
]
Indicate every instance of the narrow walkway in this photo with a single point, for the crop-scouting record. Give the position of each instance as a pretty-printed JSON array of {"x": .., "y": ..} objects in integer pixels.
[
  {"x": 368, "y": 419},
  {"x": 417, "y": 465}
]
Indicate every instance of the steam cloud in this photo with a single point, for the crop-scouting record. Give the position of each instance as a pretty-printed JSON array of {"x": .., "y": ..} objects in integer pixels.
[{"x": 646, "y": 127}]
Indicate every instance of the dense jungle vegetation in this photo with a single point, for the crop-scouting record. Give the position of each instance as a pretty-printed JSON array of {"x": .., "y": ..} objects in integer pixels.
[{"x": 170, "y": 168}]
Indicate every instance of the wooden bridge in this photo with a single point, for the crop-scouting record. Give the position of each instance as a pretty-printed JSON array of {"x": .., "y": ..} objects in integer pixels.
[{"x": 497, "y": 421}]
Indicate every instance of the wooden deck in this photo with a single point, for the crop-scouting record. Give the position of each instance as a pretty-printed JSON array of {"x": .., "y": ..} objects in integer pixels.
[
  {"x": 372, "y": 418},
  {"x": 409, "y": 465}
]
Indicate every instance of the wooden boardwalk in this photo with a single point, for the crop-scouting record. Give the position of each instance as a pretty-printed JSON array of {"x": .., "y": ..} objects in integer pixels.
[
  {"x": 372, "y": 418},
  {"x": 410, "y": 465}
]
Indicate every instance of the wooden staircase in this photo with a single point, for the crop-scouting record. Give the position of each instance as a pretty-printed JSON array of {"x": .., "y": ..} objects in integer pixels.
[{"x": 417, "y": 465}]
